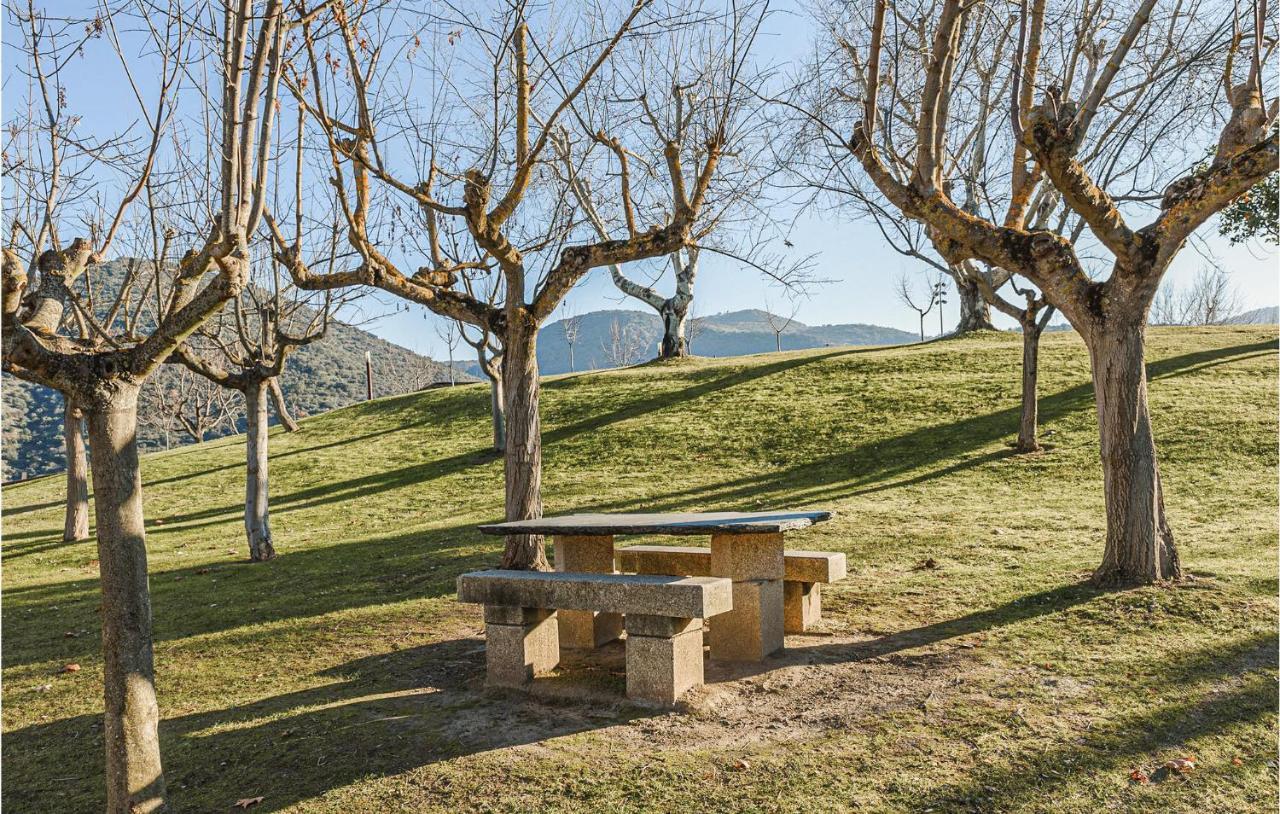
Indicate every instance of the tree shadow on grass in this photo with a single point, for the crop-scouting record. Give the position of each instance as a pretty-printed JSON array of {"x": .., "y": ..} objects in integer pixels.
[
  {"x": 394, "y": 712},
  {"x": 1247, "y": 666},
  {"x": 380, "y": 715},
  {"x": 890, "y": 463},
  {"x": 206, "y": 598}
]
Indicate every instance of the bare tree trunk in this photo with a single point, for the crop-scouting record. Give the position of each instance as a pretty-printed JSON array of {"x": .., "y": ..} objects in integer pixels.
[
  {"x": 135, "y": 780},
  {"x": 975, "y": 312},
  {"x": 1140, "y": 547},
  {"x": 497, "y": 408},
  {"x": 524, "y": 440},
  {"x": 1027, "y": 425},
  {"x": 572, "y": 367},
  {"x": 674, "y": 344},
  {"x": 76, "y": 526},
  {"x": 257, "y": 519},
  {"x": 777, "y": 341},
  {"x": 282, "y": 409}
]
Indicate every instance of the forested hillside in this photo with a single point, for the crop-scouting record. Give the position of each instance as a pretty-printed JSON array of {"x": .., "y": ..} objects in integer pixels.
[{"x": 322, "y": 376}]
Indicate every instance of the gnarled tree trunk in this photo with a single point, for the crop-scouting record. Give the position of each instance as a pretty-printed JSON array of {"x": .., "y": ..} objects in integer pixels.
[
  {"x": 1027, "y": 423},
  {"x": 674, "y": 345},
  {"x": 975, "y": 312},
  {"x": 135, "y": 780},
  {"x": 257, "y": 519},
  {"x": 1140, "y": 547},
  {"x": 282, "y": 409},
  {"x": 76, "y": 526},
  {"x": 520, "y": 387}
]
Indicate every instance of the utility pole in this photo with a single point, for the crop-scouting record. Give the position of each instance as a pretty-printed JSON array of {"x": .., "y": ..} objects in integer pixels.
[
  {"x": 368, "y": 376},
  {"x": 940, "y": 294}
]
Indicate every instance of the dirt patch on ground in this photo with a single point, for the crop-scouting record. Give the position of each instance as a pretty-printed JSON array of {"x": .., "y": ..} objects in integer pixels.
[{"x": 818, "y": 685}]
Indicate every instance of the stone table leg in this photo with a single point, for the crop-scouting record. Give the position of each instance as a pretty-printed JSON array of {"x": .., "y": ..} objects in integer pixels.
[
  {"x": 802, "y": 603},
  {"x": 664, "y": 658},
  {"x": 520, "y": 643},
  {"x": 585, "y": 630},
  {"x": 753, "y": 629}
]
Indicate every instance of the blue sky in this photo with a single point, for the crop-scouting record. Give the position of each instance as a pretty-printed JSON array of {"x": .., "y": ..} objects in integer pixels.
[{"x": 852, "y": 254}]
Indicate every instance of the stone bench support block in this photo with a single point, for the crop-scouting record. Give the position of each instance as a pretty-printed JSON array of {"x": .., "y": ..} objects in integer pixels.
[
  {"x": 520, "y": 643},
  {"x": 801, "y": 605},
  {"x": 664, "y": 658},
  {"x": 586, "y": 630},
  {"x": 803, "y": 575}
]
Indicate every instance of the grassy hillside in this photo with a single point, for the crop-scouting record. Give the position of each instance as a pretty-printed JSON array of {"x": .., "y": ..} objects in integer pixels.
[{"x": 963, "y": 666}]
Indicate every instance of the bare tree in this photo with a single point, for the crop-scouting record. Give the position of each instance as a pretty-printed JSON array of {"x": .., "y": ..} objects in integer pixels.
[
  {"x": 1211, "y": 298},
  {"x": 177, "y": 401},
  {"x": 244, "y": 351},
  {"x": 76, "y": 516},
  {"x": 489, "y": 360},
  {"x": 512, "y": 219},
  {"x": 450, "y": 334},
  {"x": 694, "y": 327},
  {"x": 282, "y": 408},
  {"x": 572, "y": 325},
  {"x": 1032, "y": 318},
  {"x": 922, "y": 304},
  {"x": 101, "y": 376},
  {"x": 625, "y": 346},
  {"x": 1078, "y": 138},
  {"x": 779, "y": 323}
]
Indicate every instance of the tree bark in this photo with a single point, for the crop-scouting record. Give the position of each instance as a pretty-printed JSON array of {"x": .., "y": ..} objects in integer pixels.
[
  {"x": 497, "y": 409},
  {"x": 674, "y": 342},
  {"x": 135, "y": 780},
  {"x": 520, "y": 388},
  {"x": 76, "y": 526},
  {"x": 282, "y": 409},
  {"x": 1027, "y": 424},
  {"x": 257, "y": 519},
  {"x": 975, "y": 312},
  {"x": 1140, "y": 549}
]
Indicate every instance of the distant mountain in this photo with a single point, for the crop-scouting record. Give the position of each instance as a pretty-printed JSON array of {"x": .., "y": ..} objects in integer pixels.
[
  {"x": 324, "y": 375},
  {"x": 618, "y": 337},
  {"x": 1258, "y": 316}
]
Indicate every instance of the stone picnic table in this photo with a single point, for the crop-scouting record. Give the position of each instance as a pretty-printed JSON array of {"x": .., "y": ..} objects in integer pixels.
[{"x": 746, "y": 547}]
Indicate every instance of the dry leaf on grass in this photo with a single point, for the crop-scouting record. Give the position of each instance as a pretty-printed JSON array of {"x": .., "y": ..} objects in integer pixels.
[
  {"x": 1140, "y": 777},
  {"x": 1181, "y": 765},
  {"x": 71, "y": 668},
  {"x": 245, "y": 802}
]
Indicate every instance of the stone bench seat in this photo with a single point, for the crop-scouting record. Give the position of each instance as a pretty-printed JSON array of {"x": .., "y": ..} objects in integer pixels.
[
  {"x": 804, "y": 574},
  {"x": 663, "y": 623}
]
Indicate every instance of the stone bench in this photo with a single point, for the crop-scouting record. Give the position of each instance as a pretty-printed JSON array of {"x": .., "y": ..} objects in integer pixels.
[
  {"x": 663, "y": 621},
  {"x": 804, "y": 574}
]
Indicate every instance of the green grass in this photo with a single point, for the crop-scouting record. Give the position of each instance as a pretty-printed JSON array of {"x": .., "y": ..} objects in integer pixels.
[{"x": 344, "y": 677}]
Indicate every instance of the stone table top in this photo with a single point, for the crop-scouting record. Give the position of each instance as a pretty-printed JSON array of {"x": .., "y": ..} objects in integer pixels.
[{"x": 688, "y": 523}]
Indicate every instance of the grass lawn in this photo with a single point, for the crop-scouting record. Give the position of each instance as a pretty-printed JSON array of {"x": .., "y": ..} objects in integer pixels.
[{"x": 344, "y": 677}]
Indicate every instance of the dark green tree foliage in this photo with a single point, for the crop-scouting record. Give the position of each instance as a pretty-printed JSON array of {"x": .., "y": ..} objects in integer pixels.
[{"x": 1254, "y": 214}]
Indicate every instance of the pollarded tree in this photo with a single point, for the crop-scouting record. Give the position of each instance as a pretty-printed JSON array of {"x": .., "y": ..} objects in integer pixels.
[
  {"x": 1032, "y": 318},
  {"x": 497, "y": 87},
  {"x": 245, "y": 351},
  {"x": 1176, "y": 48},
  {"x": 672, "y": 104},
  {"x": 102, "y": 376}
]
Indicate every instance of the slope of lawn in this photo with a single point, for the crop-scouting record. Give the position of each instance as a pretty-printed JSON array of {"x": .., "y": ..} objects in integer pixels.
[{"x": 964, "y": 665}]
